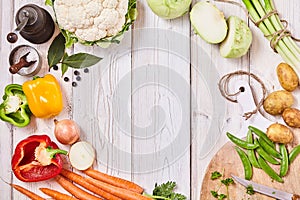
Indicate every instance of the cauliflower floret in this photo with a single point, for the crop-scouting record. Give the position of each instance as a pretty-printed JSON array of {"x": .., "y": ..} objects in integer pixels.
[
  {"x": 94, "y": 8},
  {"x": 110, "y": 3},
  {"x": 91, "y": 35},
  {"x": 91, "y": 20}
]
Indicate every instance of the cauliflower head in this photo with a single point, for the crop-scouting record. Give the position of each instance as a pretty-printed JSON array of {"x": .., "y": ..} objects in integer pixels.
[{"x": 94, "y": 21}]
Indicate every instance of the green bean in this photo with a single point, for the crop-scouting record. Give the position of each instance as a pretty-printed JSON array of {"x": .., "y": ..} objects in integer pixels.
[
  {"x": 294, "y": 153},
  {"x": 251, "y": 152},
  {"x": 268, "y": 170},
  {"x": 265, "y": 155},
  {"x": 270, "y": 150},
  {"x": 246, "y": 163},
  {"x": 284, "y": 166},
  {"x": 261, "y": 134},
  {"x": 241, "y": 143}
]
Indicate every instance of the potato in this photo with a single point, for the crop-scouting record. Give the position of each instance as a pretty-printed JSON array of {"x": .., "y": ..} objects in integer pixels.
[
  {"x": 277, "y": 101},
  {"x": 279, "y": 133},
  {"x": 287, "y": 77},
  {"x": 291, "y": 117}
]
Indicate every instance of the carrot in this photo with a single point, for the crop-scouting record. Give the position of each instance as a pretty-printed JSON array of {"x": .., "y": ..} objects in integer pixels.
[
  {"x": 119, "y": 192},
  {"x": 115, "y": 181},
  {"x": 74, "y": 190},
  {"x": 26, "y": 192},
  {"x": 81, "y": 181},
  {"x": 57, "y": 195}
]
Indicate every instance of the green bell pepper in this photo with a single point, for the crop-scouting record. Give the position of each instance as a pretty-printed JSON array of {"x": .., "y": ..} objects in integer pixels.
[{"x": 14, "y": 108}]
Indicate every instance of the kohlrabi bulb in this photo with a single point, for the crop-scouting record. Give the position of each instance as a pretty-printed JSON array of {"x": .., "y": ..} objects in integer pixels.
[{"x": 169, "y": 9}]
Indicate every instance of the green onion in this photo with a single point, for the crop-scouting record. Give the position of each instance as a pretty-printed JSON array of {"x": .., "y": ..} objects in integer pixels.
[{"x": 286, "y": 46}]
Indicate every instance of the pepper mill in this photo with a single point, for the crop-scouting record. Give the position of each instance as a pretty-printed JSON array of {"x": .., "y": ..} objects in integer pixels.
[{"x": 34, "y": 24}]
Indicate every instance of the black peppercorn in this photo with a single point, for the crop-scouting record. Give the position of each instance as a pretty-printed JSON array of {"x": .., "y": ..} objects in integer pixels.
[
  {"x": 86, "y": 70},
  {"x": 66, "y": 79}
]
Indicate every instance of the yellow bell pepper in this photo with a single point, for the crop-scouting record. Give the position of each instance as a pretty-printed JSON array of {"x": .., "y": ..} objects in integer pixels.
[{"x": 44, "y": 96}]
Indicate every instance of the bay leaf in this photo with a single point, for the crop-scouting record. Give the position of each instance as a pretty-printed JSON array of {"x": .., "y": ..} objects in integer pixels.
[
  {"x": 81, "y": 60},
  {"x": 56, "y": 50}
]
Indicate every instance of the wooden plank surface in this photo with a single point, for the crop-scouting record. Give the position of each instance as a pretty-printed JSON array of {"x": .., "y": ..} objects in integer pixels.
[{"x": 151, "y": 107}]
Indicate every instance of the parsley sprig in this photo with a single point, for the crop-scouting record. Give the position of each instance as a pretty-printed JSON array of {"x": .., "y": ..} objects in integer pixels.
[
  {"x": 165, "y": 191},
  {"x": 225, "y": 181}
]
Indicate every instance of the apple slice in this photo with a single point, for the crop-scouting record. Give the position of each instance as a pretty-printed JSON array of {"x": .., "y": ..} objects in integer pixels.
[
  {"x": 82, "y": 155},
  {"x": 208, "y": 22}
]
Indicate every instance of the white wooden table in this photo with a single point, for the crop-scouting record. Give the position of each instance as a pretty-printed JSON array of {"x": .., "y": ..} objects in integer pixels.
[{"x": 151, "y": 107}]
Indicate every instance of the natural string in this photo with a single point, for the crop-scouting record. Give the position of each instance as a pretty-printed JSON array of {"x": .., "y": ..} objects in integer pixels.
[{"x": 224, "y": 89}]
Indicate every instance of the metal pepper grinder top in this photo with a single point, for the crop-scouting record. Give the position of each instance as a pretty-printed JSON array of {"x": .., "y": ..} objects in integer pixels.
[{"x": 34, "y": 24}]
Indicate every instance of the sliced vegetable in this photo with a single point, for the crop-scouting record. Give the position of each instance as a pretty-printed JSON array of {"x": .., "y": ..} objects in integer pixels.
[
  {"x": 36, "y": 158},
  {"x": 44, "y": 96},
  {"x": 66, "y": 131},
  {"x": 208, "y": 22},
  {"x": 82, "y": 155},
  {"x": 169, "y": 9},
  {"x": 118, "y": 182},
  {"x": 14, "y": 108},
  {"x": 238, "y": 40}
]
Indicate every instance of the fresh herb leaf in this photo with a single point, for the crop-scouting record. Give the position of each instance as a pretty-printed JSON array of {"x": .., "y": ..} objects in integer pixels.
[
  {"x": 64, "y": 67},
  {"x": 250, "y": 190},
  {"x": 214, "y": 193},
  {"x": 227, "y": 181},
  {"x": 222, "y": 196},
  {"x": 49, "y": 2},
  {"x": 166, "y": 191},
  {"x": 215, "y": 175},
  {"x": 56, "y": 50},
  {"x": 81, "y": 60}
]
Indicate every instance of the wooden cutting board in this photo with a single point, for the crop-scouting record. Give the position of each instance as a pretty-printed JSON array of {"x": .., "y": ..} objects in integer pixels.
[{"x": 228, "y": 162}]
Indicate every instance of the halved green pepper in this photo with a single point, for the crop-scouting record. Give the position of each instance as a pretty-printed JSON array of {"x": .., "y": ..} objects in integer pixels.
[{"x": 14, "y": 108}]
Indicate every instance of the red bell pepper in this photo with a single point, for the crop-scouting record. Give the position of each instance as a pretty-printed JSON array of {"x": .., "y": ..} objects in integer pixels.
[{"x": 37, "y": 158}]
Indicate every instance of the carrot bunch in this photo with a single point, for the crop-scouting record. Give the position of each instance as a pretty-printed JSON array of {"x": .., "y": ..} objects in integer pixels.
[
  {"x": 105, "y": 186},
  {"x": 98, "y": 186}
]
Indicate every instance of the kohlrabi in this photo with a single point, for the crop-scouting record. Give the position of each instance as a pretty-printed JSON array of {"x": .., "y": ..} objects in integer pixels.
[
  {"x": 238, "y": 40},
  {"x": 169, "y": 9},
  {"x": 208, "y": 22}
]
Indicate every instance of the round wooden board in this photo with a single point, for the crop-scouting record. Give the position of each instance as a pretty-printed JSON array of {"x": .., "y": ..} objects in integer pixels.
[{"x": 227, "y": 162}]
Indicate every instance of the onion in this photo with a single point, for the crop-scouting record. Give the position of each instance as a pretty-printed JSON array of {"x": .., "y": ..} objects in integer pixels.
[{"x": 66, "y": 131}]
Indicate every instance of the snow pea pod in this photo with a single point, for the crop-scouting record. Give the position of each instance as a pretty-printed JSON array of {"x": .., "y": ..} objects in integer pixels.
[
  {"x": 268, "y": 170},
  {"x": 262, "y": 135},
  {"x": 269, "y": 149},
  {"x": 251, "y": 152},
  {"x": 265, "y": 155},
  {"x": 294, "y": 153},
  {"x": 284, "y": 166},
  {"x": 241, "y": 143},
  {"x": 246, "y": 163}
]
